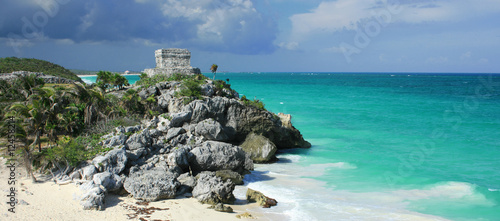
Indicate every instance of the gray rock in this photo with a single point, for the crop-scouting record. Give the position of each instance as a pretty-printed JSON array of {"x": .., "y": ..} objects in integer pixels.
[
  {"x": 187, "y": 182},
  {"x": 93, "y": 198},
  {"x": 212, "y": 190},
  {"x": 178, "y": 119},
  {"x": 260, "y": 149},
  {"x": 179, "y": 157},
  {"x": 134, "y": 155},
  {"x": 221, "y": 208},
  {"x": 151, "y": 185},
  {"x": 213, "y": 156},
  {"x": 88, "y": 172},
  {"x": 211, "y": 130},
  {"x": 110, "y": 181},
  {"x": 139, "y": 140},
  {"x": 115, "y": 140},
  {"x": 208, "y": 90},
  {"x": 114, "y": 161},
  {"x": 132, "y": 129},
  {"x": 174, "y": 132},
  {"x": 75, "y": 175},
  {"x": 234, "y": 177}
]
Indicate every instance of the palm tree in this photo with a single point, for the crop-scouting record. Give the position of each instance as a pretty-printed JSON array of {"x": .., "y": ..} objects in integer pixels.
[{"x": 213, "y": 68}]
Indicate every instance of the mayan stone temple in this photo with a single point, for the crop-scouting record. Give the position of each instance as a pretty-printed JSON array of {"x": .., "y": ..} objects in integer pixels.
[{"x": 172, "y": 60}]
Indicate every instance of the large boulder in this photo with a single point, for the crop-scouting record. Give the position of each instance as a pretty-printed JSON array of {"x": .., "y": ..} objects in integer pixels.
[
  {"x": 260, "y": 149},
  {"x": 152, "y": 185},
  {"x": 174, "y": 132},
  {"x": 178, "y": 119},
  {"x": 213, "y": 156},
  {"x": 110, "y": 181},
  {"x": 139, "y": 140},
  {"x": 93, "y": 198},
  {"x": 114, "y": 161},
  {"x": 211, "y": 130},
  {"x": 212, "y": 190},
  {"x": 179, "y": 158},
  {"x": 87, "y": 172}
]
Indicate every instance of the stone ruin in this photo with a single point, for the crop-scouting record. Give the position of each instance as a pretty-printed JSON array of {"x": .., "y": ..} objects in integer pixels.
[{"x": 171, "y": 61}]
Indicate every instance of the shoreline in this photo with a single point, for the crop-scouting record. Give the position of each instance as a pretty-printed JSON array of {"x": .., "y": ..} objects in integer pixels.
[
  {"x": 94, "y": 75},
  {"x": 45, "y": 200}
]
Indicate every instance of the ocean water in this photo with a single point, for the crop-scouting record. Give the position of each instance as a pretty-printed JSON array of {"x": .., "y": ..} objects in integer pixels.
[
  {"x": 384, "y": 146},
  {"x": 89, "y": 79}
]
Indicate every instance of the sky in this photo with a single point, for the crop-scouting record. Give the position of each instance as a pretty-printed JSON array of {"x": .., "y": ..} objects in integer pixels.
[{"x": 451, "y": 36}]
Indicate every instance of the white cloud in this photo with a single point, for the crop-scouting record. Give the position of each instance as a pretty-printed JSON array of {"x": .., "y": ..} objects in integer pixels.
[
  {"x": 333, "y": 16},
  {"x": 289, "y": 45}
]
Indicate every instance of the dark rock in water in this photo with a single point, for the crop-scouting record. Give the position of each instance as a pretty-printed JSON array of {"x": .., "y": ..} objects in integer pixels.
[
  {"x": 261, "y": 199},
  {"x": 213, "y": 156},
  {"x": 114, "y": 161},
  {"x": 235, "y": 177},
  {"x": 211, "y": 130},
  {"x": 110, "y": 181},
  {"x": 212, "y": 190},
  {"x": 221, "y": 208},
  {"x": 151, "y": 185},
  {"x": 260, "y": 149}
]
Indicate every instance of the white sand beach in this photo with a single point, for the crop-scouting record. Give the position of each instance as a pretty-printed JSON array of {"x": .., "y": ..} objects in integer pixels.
[{"x": 46, "y": 200}]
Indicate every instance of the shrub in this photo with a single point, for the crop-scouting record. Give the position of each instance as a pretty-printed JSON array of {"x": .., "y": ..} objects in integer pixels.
[{"x": 255, "y": 103}]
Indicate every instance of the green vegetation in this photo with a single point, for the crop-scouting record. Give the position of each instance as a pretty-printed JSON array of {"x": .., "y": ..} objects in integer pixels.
[
  {"x": 11, "y": 64},
  {"x": 54, "y": 123},
  {"x": 106, "y": 80},
  {"x": 213, "y": 68},
  {"x": 60, "y": 125},
  {"x": 255, "y": 103}
]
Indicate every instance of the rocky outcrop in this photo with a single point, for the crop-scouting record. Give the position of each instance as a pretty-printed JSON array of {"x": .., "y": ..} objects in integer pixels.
[
  {"x": 217, "y": 140},
  {"x": 152, "y": 185},
  {"x": 260, "y": 149},
  {"x": 214, "y": 156},
  {"x": 48, "y": 79}
]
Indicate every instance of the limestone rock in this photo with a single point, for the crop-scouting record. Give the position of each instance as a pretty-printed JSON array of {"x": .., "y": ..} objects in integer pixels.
[
  {"x": 139, "y": 140},
  {"x": 114, "y": 161},
  {"x": 110, "y": 181},
  {"x": 221, "y": 208},
  {"x": 260, "y": 149},
  {"x": 174, "y": 132},
  {"x": 211, "y": 130},
  {"x": 93, "y": 198},
  {"x": 212, "y": 190},
  {"x": 214, "y": 155},
  {"x": 178, "y": 119},
  {"x": 261, "y": 199},
  {"x": 88, "y": 172},
  {"x": 235, "y": 177},
  {"x": 151, "y": 185}
]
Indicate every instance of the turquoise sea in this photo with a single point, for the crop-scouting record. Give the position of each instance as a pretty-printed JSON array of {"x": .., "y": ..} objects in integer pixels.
[{"x": 385, "y": 146}]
